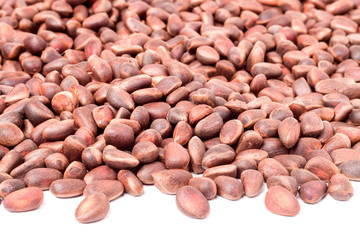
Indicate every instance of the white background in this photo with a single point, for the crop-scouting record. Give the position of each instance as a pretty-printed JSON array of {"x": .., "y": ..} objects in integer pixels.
[{"x": 154, "y": 215}]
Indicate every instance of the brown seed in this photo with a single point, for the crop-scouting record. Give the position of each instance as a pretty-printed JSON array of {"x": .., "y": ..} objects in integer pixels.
[
  {"x": 145, "y": 172},
  {"x": 75, "y": 170},
  {"x": 207, "y": 55},
  {"x": 191, "y": 202},
  {"x": 252, "y": 181},
  {"x": 10, "y": 185},
  {"x": 209, "y": 126},
  {"x": 287, "y": 182},
  {"x": 145, "y": 152},
  {"x": 205, "y": 185},
  {"x": 118, "y": 159},
  {"x": 111, "y": 188},
  {"x": 281, "y": 201},
  {"x": 311, "y": 125},
  {"x": 222, "y": 170},
  {"x": 270, "y": 167},
  {"x": 25, "y": 199},
  {"x": 322, "y": 168},
  {"x": 41, "y": 177},
  {"x": 176, "y": 156},
  {"x": 132, "y": 184},
  {"x": 182, "y": 133},
  {"x": 169, "y": 181},
  {"x": 291, "y": 161},
  {"x": 289, "y": 132},
  {"x": 219, "y": 154},
  {"x": 302, "y": 176},
  {"x": 313, "y": 191},
  {"x": 340, "y": 187},
  {"x": 351, "y": 169},
  {"x": 93, "y": 208},
  {"x": 119, "y": 135},
  {"x": 249, "y": 140},
  {"x": 102, "y": 172},
  {"x": 67, "y": 188},
  {"x": 231, "y": 132},
  {"x": 10, "y": 134},
  {"x": 229, "y": 187}
]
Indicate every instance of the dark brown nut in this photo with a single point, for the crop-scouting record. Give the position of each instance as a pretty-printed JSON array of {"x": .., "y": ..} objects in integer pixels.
[
  {"x": 268, "y": 69},
  {"x": 19, "y": 92},
  {"x": 111, "y": 188},
  {"x": 342, "y": 155},
  {"x": 145, "y": 172},
  {"x": 222, "y": 170},
  {"x": 291, "y": 161},
  {"x": 176, "y": 156},
  {"x": 313, "y": 191},
  {"x": 141, "y": 115},
  {"x": 203, "y": 96},
  {"x": 25, "y": 199},
  {"x": 12, "y": 117},
  {"x": 41, "y": 177},
  {"x": 274, "y": 147},
  {"x": 176, "y": 114},
  {"x": 10, "y": 134},
  {"x": 59, "y": 131},
  {"x": 205, "y": 185},
  {"x": 231, "y": 132},
  {"x": 289, "y": 132},
  {"x": 340, "y": 187},
  {"x": 252, "y": 181},
  {"x": 93, "y": 208},
  {"x": 91, "y": 157},
  {"x": 250, "y": 117},
  {"x": 83, "y": 118},
  {"x": 10, "y": 185},
  {"x": 34, "y": 44},
  {"x": 180, "y": 71},
  {"x": 207, "y": 55},
  {"x": 72, "y": 147},
  {"x": 75, "y": 170},
  {"x": 182, "y": 133},
  {"x": 67, "y": 188},
  {"x": 318, "y": 153},
  {"x": 169, "y": 181},
  {"x": 100, "y": 173},
  {"x": 20, "y": 171},
  {"x": 37, "y": 112},
  {"x": 270, "y": 167},
  {"x": 4, "y": 176},
  {"x": 302, "y": 176},
  {"x": 209, "y": 126},
  {"x": 254, "y": 154},
  {"x": 219, "y": 154},
  {"x": 199, "y": 112},
  {"x": 229, "y": 187},
  {"x": 351, "y": 169},
  {"x": 287, "y": 182},
  {"x": 267, "y": 127},
  {"x": 191, "y": 202},
  {"x": 337, "y": 141},
  {"x": 150, "y": 135},
  {"x": 281, "y": 201},
  {"x": 163, "y": 126},
  {"x": 118, "y": 159},
  {"x": 119, "y": 135},
  {"x": 305, "y": 145},
  {"x": 132, "y": 184},
  {"x": 145, "y": 152},
  {"x": 118, "y": 98},
  {"x": 322, "y": 168},
  {"x": 146, "y": 95},
  {"x": 249, "y": 140},
  {"x": 311, "y": 125}
]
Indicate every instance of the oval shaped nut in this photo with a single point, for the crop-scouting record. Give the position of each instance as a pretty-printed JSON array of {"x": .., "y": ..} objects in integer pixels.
[
  {"x": 231, "y": 132},
  {"x": 267, "y": 127},
  {"x": 249, "y": 117},
  {"x": 352, "y": 133},
  {"x": 281, "y": 201},
  {"x": 222, "y": 170},
  {"x": 270, "y": 167},
  {"x": 351, "y": 169},
  {"x": 191, "y": 202},
  {"x": 254, "y": 154},
  {"x": 111, "y": 188},
  {"x": 291, "y": 161},
  {"x": 132, "y": 184},
  {"x": 169, "y": 181},
  {"x": 196, "y": 150},
  {"x": 100, "y": 173},
  {"x": 25, "y": 199},
  {"x": 205, "y": 185},
  {"x": 10, "y": 134},
  {"x": 76, "y": 170},
  {"x": 59, "y": 131},
  {"x": 207, "y": 55},
  {"x": 64, "y": 101},
  {"x": 340, "y": 187},
  {"x": 249, "y": 140},
  {"x": 229, "y": 187},
  {"x": 287, "y": 182},
  {"x": 146, "y": 95},
  {"x": 252, "y": 181},
  {"x": 93, "y": 208},
  {"x": 311, "y": 125},
  {"x": 289, "y": 132},
  {"x": 119, "y": 135},
  {"x": 302, "y": 176},
  {"x": 20, "y": 171},
  {"x": 219, "y": 154},
  {"x": 145, "y": 152},
  {"x": 145, "y": 172},
  {"x": 119, "y": 98},
  {"x": 313, "y": 191},
  {"x": 176, "y": 156},
  {"x": 244, "y": 164},
  {"x": 118, "y": 159},
  {"x": 209, "y": 127},
  {"x": 67, "y": 188},
  {"x": 322, "y": 168},
  {"x": 91, "y": 157},
  {"x": 305, "y": 145},
  {"x": 199, "y": 112},
  {"x": 37, "y": 112},
  {"x": 102, "y": 116},
  {"x": 182, "y": 133},
  {"x": 10, "y": 185},
  {"x": 337, "y": 141},
  {"x": 41, "y": 177}
]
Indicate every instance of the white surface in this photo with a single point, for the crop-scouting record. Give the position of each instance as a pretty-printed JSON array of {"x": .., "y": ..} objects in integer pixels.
[{"x": 154, "y": 215}]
